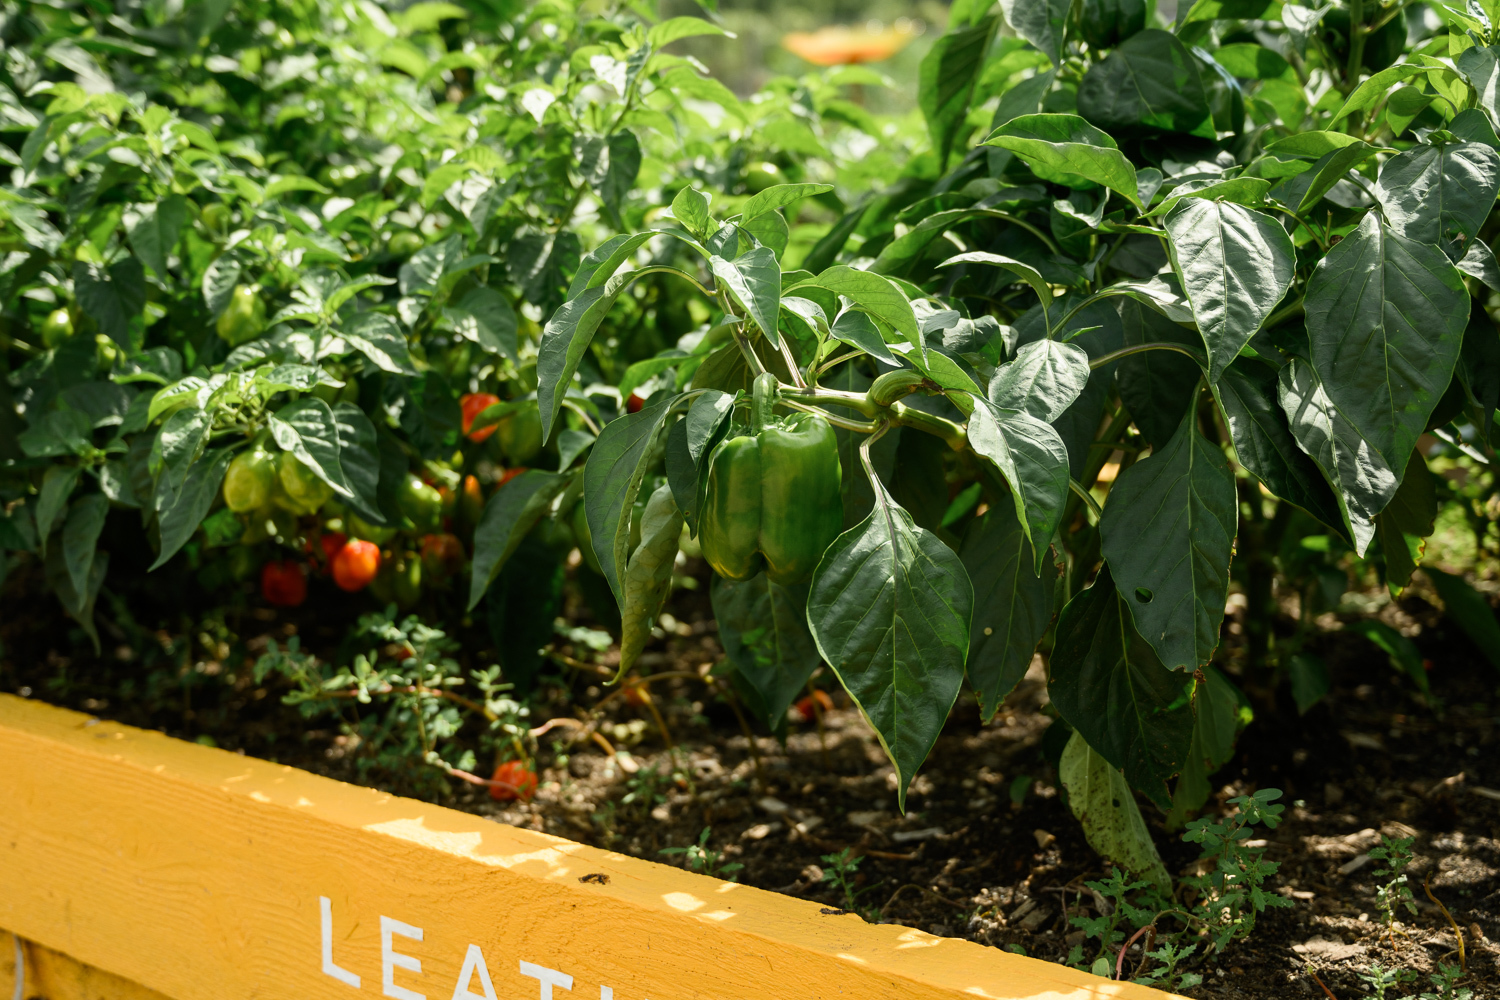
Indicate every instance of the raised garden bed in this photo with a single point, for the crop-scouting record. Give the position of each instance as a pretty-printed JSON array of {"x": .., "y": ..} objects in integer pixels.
[{"x": 194, "y": 872}]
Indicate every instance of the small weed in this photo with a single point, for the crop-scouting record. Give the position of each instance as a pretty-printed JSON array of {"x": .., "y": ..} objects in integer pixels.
[
  {"x": 1445, "y": 979},
  {"x": 841, "y": 869},
  {"x": 1379, "y": 980},
  {"x": 1233, "y": 893},
  {"x": 701, "y": 859},
  {"x": 1395, "y": 893}
]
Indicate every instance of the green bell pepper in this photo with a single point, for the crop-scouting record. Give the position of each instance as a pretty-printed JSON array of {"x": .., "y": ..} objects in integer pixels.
[{"x": 772, "y": 499}]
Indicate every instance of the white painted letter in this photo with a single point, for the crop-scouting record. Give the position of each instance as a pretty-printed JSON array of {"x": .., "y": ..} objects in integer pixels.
[
  {"x": 391, "y": 960},
  {"x": 474, "y": 962},
  {"x": 548, "y": 978},
  {"x": 329, "y": 969},
  {"x": 606, "y": 993}
]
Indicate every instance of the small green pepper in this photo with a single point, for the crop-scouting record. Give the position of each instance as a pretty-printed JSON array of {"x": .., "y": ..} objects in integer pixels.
[{"x": 773, "y": 499}]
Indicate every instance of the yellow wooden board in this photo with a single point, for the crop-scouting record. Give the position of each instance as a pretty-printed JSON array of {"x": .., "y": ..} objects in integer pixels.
[
  {"x": 202, "y": 874},
  {"x": 51, "y": 975}
]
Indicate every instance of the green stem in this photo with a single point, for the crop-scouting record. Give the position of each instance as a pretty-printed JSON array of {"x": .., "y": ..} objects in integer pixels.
[
  {"x": 1286, "y": 312},
  {"x": 1357, "y": 34},
  {"x": 1157, "y": 345},
  {"x": 847, "y": 423},
  {"x": 751, "y": 358},
  {"x": 1088, "y": 499}
]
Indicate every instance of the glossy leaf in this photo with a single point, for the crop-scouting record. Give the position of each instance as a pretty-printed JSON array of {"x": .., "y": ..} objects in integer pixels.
[
  {"x": 1040, "y": 22},
  {"x": 1066, "y": 149},
  {"x": 155, "y": 233},
  {"x": 1024, "y": 271},
  {"x": 754, "y": 279},
  {"x": 566, "y": 337},
  {"x": 1043, "y": 380},
  {"x": 1107, "y": 682},
  {"x": 1034, "y": 461},
  {"x": 1235, "y": 265},
  {"x": 1012, "y": 605},
  {"x": 359, "y": 458},
  {"x": 1385, "y": 318},
  {"x": 876, "y": 295},
  {"x": 307, "y": 429},
  {"x": 1168, "y": 534},
  {"x": 889, "y": 609},
  {"x": 486, "y": 317},
  {"x": 377, "y": 337},
  {"x": 1433, "y": 194},
  {"x": 1406, "y": 522},
  {"x": 1157, "y": 387}
]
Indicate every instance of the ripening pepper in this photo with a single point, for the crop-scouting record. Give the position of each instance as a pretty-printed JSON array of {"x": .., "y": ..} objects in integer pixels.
[{"x": 772, "y": 500}]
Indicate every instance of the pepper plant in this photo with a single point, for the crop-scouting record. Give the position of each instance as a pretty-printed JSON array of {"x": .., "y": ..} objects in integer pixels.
[{"x": 1162, "y": 298}]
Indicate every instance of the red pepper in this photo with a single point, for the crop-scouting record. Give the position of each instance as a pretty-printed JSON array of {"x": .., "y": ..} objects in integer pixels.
[
  {"x": 473, "y": 404},
  {"x": 814, "y": 705},
  {"x": 356, "y": 564},
  {"x": 283, "y": 583},
  {"x": 634, "y": 403},
  {"x": 511, "y": 474},
  {"x": 518, "y": 782}
]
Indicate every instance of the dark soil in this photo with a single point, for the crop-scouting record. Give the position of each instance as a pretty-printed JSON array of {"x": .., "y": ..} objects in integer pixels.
[{"x": 987, "y": 850}]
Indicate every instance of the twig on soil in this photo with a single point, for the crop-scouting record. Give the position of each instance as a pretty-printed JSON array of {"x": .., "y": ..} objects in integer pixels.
[
  {"x": 629, "y": 766},
  {"x": 922, "y": 888},
  {"x": 1463, "y": 958},
  {"x": 1120, "y": 958},
  {"x": 1322, "y": 984}
]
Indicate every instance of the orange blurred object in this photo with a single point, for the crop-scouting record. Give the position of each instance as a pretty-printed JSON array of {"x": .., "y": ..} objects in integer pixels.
[
  {"x": 840, "y": 45},
  {"x": 814, "y": 705},
  {"x": 516, "y": 781},
  {"x": 471, "y": 406}
]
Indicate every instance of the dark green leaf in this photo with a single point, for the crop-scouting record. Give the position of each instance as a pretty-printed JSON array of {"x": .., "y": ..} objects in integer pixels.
[
  {"x": 857, "y": 329},
  {"x": 359, "y": 458},
  {"x": 1012, "y": 605},
  {"x": 509, "y": 514},
  {"x": 307, "y": 429},
  {"x": 155, "y": 233},
  {"x": 1168, "y": 533},
  {"x": 1331, "y": 168},
  {"x": 1151, "y": 80},
  {"x": 1363, "y": 482},
  {"x": 377, "y": 337},
  {"x": 1310, "y": 681},
  {"x": 612, "y": 479},
  {"x": 1263, "y": 441},
  {"x": 1157, "y": 387},
  {"x": 1043, "y": 380},
  {"x": 624, "y": 165},
  {"x": 754, "y": 279},
  {"x": 80, "y": 536},
  {"x": 486, "y": 317},
  {"x": 879, "y": 296},
  {"x": 1034, "y": 461},
  {"x": 79, "y": 603},
  {"x": 1433, "y": 194},
  {"x": 890, "y": 608},
  {"x": 1235, "y": 265},
  {"x": 187, "y": 508},
  {"x": 57, "y": 485},
  {"x": 1470, "y": 611},
  {"x": 1385, "y": 317},
  {"x": 1106, "y": 681},
  {"x": 1040, "y": 22},
  {"x": 601, "y": 263},
  {"x": 1406, "y": 520},
  {"x": 113, "y": 298},
  {"x": 1067, "y": 150},
  {"x": 648, "y": 575},
  {"x": 763, "y": 627},
  {"x": 946, "y": 82},
  {"x": 564, "y": 340}
]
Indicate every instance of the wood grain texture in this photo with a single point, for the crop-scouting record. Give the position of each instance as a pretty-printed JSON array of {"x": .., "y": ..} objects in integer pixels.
[
  {"x": 51, "y": 975},
  {"x": 197, "y": 873}
]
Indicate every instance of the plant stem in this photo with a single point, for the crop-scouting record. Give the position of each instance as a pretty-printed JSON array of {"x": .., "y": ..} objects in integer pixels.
[{"x": 1156, "y": 345}]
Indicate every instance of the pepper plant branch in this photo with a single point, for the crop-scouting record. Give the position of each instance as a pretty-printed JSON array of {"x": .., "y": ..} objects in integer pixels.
[
  {"x": 1095, "y": 511},
  {"x": 1156, "y": 345},
  {"x": 847, "y": 423}
]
